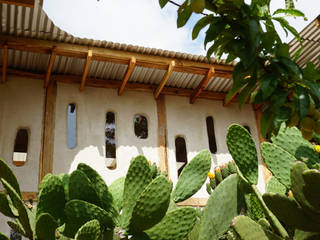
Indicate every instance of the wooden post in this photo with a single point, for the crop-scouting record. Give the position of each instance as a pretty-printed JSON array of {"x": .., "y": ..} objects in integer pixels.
[
  {"x": 266, "y": 173},
  {"x": 127, "y": 75},
  {"x": 164, "y": 79},
  {"x": 162, "y": 134},
  {"x": 4, "y": 63},
  {"x": 46, "y": 156}
]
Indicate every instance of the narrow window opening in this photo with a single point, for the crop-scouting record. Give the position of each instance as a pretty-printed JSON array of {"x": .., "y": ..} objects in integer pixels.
[
  {"x": 20, "y": 151},
  {"x": 248, "y": 128},
  {"x": 211, "y": 135},
  {"x": 181, "y": 154},
  {"x": 110, "y": 141},
  {"x": 72, "y": 126},
  {"x": 141, "y": 126}
]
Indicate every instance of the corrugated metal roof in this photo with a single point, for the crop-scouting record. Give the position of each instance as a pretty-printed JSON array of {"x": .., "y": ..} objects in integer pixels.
[
  {"x": 311, "y": 43},
  {"x": 34, "y": 23}
]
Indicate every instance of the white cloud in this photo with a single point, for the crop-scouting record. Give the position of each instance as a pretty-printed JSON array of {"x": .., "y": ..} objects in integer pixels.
[{"x": 138, "y": 22}]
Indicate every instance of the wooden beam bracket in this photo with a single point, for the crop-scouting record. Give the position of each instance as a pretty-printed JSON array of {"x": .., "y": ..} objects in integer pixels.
[
  {"x": 164, "y": 79},
  {"x": 86, "y": 70},
  {"x": 50, "y": 66},
  {"x": 202, "y": 85},
  {"x": 127, "y": 75}
]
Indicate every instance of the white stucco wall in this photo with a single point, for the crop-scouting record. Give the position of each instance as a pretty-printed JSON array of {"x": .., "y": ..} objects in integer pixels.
[
  {"x": 189, "y": 121},
  {"x": 21, "y": 106},
  {"x": 92, "y": 105}
]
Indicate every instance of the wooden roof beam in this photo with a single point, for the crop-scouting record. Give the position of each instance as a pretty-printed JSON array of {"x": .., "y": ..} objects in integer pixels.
[
  {"x": 115, "y": 56},
  {"x": 202, "y": 85},
  {"x": 4, "y": 64},
  {"x": 49, "y": 68},
  {"x": 164, "y": 79},
  {"x": 127, "y": 75},
  {"x": 86, "y": 70},
  {"x": 24, "y": 3}
]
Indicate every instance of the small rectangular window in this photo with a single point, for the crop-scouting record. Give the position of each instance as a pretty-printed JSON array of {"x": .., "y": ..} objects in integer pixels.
[
  {"x": 181, "y": 154},
  {"x": 110, "y": 141},
  {"x": 72, "y": 126},
  {"x": 211, "y": 135},
  {"x": 141, "y": 126},
  {"x": 20, "y": 151}
]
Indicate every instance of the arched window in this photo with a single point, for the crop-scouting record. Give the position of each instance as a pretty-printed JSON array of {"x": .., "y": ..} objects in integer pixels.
[
  {"x": 20, "y": 151},
  {"x": 110, "y": 141},
  {"x": 181, "y": 154},
  {"x": 141, "y": 126},
  {"x": 211, "y": 135},
  {"x": 247, "y": 127},
  {"x": 72, "y": 126}
]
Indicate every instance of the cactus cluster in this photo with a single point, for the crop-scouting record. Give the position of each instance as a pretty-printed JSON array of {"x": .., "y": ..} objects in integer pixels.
[
  {"x": 82, "y": 206},
  {"x": 219, "y": 174}
]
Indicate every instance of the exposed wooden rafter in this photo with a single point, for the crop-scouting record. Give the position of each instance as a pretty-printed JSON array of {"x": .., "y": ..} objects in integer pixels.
[
  {"x": 164, "y": 79},
  {"x": 202, "y": 85},
  {"x": 127, "y": 75},
  {"x": 4, "y": 63},
  {"x": 86, "y": 70},
  {"x": 24, "y": 3},
  {"x": 49, "y": 68},
  {"x": 115, "y": 56}
]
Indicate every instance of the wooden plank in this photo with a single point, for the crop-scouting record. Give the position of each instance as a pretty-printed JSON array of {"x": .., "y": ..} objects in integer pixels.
[
  {"x": 115, "y": 56},
  {"x": 162, "y": 134},
  {"x": 49, "y": 68},
  {"x": 258, "y": 114},
  {"x": 202, "y": 85},
  {"x": 46, "y": 156},
  {"x": 24, "y": 3},
  {"x": 164, "y": 80},
  {"x": 194, "y": 202},
  {"x": 86, "y": 70},
  {"x": 127, "y": 75},
  {"x": 4, "y": 64}
]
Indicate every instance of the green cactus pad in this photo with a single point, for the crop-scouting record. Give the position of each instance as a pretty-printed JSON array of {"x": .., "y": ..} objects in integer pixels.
[
  {"x": 194, "y": 234},
  {"x": 151, "y": 206},
  {"x": 301, "y": 235},
  {"x": 46, "y": 227},
  {"x": 90, "y": 230},
  {"x": 7, "y": 174},
  {"x": 254, "y": 208},
  {"x": 51, "y": 197},
  {"x": 176, "y": 225},
  {"x": 274, "y": 186},
  {"x": 232, "y": 167},
  {"x": 5, "y": 207},
  {"x": 248, "y": 229},
  {"x": 116, "y": 189},
  {"x": 79, "y": 212},
  {"x": 264, "y": 223},
  {"x": 213, "y": 183},
  {"x": 65, "y": 181},
  {"x": 291, "y": 140},
  {"x": 289, "y": 212},
  {"x": 221, "y": 208},
  {"x": 192, "y": 177},
  {"x": 218, "y": 175},
  {"x": 19, "y": 205},
  {"x": 80, "y": 187},
  {"x": 208, "y": 188},
  {"x": 137, "y": 178},
  {"x": 17, "y": 227},
  {"x": 100, "y": 186},
  {"x": 297, "y": 185},
  {"x": 140, "y": 236},
  {"x": 225, "y": 172},
  {"x": 243, "y": 151},
  {"x": 311, "y": 188},
  {"x": 278, "y": 162},
  {"x": 3, "y": 237}
]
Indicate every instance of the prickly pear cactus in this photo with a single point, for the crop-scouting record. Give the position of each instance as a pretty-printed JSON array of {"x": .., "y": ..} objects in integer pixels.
[
  {"x": 274, "y": 186},
  {"x": 90, "y": 230}
]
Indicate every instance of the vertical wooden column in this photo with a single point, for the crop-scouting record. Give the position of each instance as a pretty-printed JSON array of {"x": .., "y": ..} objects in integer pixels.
[
  {"x": 266, "y": 173},
  {"x": 46, "y": 156},
  {"x": 162, "y": 134}
]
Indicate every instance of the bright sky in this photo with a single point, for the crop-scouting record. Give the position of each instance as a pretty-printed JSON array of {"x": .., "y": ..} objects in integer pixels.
[{"x": 142, "y": 22}]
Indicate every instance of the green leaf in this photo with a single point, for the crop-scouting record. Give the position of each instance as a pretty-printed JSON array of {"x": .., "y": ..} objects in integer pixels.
[
  {"x": 292, "y": 67},
  {"x": 200, "y": 25},
  {"x": 266, "y": 123},
  {"x": 246, "y": 92},
  {"x": 255, "y": 35},
  {"x": 289, "y": 12},
  {"x": 310, "y": 73},
  {"x": 283, "y": 51},
  {"x": 301, "y": 101},
  {"x": 163, "y": 3},
  {"x": 7, "y": 174},
  {"x": 197, "y": 6},
  {"x": 282, "y": 115},
  {"x": 214, "y": 30},
  {"x": 285, "y": 25},
  {"x": 3, "y": 237},
  {"x": 278, "y": 99},
  {"x": 268, "y": 85},
  {"x": 289, "y": 4},
  {"x": 184, "y": 16}
]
